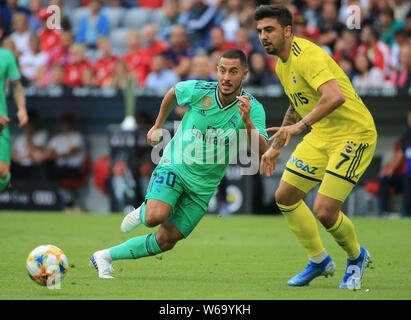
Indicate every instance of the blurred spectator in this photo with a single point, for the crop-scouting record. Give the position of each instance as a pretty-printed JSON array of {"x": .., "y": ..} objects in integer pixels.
[
  {"x": 152, "y": 46},
  {"x": 377, "y": 51},
  {"x": 171, "y": 11},
  {"x": 21, "y": 33},
  {"x": 346, "y": 46},
  {"x": 50, "y": 38},
  {"x": 56, "y": 76},
  {"x": 329, "y": 26},
  {"x": 289, "y": 5},
  {"x": 201, "y": 68},
  {"x": 242, "y": 41},
  {"x": 401, "y": 8},
  {"x": 133, "y": 57},
  {"x": 391, "y": 177},
  {"x": 312, "y": 12},
  {"x": 198, "y": 21},
  {"x": 73, "y": 72},
  {"x": 303, "y": 31},
  {"x": 178, "y": 55},
  {"x": 397, "y": 174},
  {"x": 61, "y": 54},
  {"x": 346, "y": 64},
  {"x": 34, "y": 21},
  {"x": 401, "y": 38},
  {"x": 160, "y": 77},
  {"x": 389, "y": 26},
  {"x": 231, "y": 18},
  {"x": 66, "y": 152},
  {"x": 88, "y": 79},
  {"x": 8, "y": 8},
  {"x": 67, "y": 149},
  {"x": 28, "y": 148},
  {"x": 15, "y": 7},
  {"x": 218, "y": 40},
  {"x": 33, "y": 63},
  {"x": 214, "y": 59},
  {"x": 8, "y": 44},
  {"x": 259, "y": 73},
  {"x": 247, "y": 22},
  {"x": 104, "y": 66},
  {"x": 119, "y": 76},
  {"x": 92, "y": 25},
  {"x": 368, "y": 76},
  {"x": 402, "y": 77}
]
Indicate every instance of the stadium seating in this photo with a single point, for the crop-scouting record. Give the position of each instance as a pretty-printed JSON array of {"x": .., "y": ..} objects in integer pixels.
[
  {"x": 136, "y": 18},
  {"x": 114, "y": 16}
]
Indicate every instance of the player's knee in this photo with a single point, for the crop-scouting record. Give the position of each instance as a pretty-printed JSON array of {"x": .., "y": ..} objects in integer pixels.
[
  {"x": 282, "y": 198},
  {"x": 154, "y": 217},
  {"x": 321, "y": 213},
  {"x": 325, "y": 215},
  {"x": 156, "y": 212}
]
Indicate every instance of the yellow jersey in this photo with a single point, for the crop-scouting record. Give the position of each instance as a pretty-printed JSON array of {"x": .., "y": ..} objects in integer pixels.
[{"x": 307, "y": 68}]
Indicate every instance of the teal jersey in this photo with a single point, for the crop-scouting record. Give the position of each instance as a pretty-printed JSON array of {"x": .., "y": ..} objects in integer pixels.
[
  {"x": 209, "y": 136},
  {"x": 8, "y": 71}
]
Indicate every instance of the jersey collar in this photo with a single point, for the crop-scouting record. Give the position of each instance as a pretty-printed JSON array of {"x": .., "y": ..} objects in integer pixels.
[{"x": 220, "y": 104}]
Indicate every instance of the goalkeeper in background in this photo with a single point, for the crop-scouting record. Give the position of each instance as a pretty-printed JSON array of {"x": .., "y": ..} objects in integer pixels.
[{"x": 334, "y": 154}]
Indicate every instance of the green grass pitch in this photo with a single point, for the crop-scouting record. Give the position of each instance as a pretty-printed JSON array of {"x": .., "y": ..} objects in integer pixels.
[{"x": 239, "y": 257}]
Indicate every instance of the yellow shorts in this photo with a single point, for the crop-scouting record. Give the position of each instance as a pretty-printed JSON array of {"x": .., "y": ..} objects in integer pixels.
[{"x": 337, "y": 164}]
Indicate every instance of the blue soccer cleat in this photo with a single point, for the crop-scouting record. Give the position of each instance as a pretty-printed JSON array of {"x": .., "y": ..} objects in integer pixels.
[
  {"x": 355, "y": 269},
  {"x": 313, "y": 270}
]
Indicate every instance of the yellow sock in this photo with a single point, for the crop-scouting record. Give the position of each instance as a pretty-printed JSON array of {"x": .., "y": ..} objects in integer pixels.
[
  {"x": 303, "y": 224},
  {"x": 344, "y": 233}
]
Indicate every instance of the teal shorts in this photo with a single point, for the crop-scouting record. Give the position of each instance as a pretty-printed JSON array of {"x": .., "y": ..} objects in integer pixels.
[
  {"x": 188, "y": 208},
  {"x": 5, "y": 145}
]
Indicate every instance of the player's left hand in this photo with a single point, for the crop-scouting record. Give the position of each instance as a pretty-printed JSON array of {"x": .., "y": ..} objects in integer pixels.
[
  {"x": 244, "y": 108},
  {"x": 22, "y": 116}
]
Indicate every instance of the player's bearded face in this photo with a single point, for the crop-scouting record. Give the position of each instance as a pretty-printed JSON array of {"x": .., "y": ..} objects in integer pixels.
[{"x": 271, "y": 35}]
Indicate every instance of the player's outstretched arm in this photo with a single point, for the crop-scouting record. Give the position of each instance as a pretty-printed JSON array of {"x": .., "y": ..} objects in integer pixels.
[
  {"x": 167, "y": 105},
  {"x": 269, "y": 158},
  {"x": 20, "y": 100}
]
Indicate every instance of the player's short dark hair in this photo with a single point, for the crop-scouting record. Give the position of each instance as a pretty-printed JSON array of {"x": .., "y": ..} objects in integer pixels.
[
  {"x": 234, "y": 53},
  {"x": 281, "y": 13}
]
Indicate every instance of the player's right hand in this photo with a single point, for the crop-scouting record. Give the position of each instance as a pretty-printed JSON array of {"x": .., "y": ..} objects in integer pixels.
[
  {"x": 4, "y": 121},
  {"x": 268, "y": 161},
  {"x": 154, "y": 136}
]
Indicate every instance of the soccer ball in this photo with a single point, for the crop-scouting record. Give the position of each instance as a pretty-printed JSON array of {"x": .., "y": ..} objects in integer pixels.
[{"x": 47, "y": 265}]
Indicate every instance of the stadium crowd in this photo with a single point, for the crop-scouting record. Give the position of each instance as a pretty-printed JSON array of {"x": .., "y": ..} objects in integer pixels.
[{"x": 160, "y": 42}]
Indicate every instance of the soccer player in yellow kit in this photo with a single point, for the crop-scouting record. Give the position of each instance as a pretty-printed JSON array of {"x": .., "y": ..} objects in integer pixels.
[{"x": 334, "y": 154}]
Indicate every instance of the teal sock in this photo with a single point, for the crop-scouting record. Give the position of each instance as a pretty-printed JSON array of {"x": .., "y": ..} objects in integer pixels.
[
  {"x": 135, "y": 248},
  {"x": 4, "y": 183}
]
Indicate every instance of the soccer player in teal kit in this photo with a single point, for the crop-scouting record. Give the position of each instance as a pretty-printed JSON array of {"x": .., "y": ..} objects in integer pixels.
[
  {"x": 9, "y": 71},
  {"x": 182, "y": 184}
]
